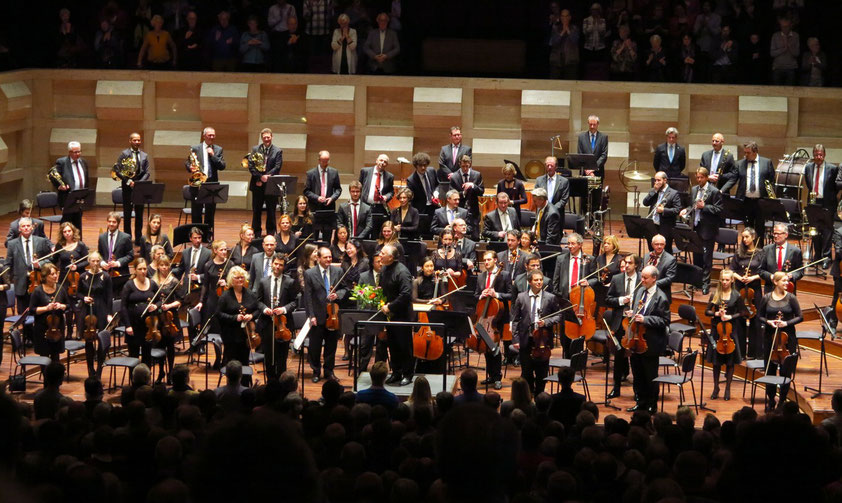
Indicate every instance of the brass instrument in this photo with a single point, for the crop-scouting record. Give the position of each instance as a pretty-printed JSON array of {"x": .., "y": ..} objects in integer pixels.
[
  {"x": 53, "y": 176},
  {"x": 196, "y": 177},
  {"x": 126, "y": 169},
  {"x": 258, "y": 159},
  {"x": 770, "y": 192}
]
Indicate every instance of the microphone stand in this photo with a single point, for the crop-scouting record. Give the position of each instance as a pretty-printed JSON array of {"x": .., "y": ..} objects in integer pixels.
[{"x": 610, "y": 347}]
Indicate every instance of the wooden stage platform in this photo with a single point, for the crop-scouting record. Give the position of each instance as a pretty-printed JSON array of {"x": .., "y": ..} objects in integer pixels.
[{"x": 810, "y": 290}]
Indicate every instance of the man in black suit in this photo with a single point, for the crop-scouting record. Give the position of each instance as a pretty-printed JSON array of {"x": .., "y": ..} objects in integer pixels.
[
  {"x": 25, "y": 211},
  {"x": 193, "y": 259},
  {"x": 396, "y": 282},
  {"x": 261, "y": 263},
  {"x": 664, "y": 203},
  {"x": 619, "y": 298},
  {"x": 368, "y": 341},
  {"x": 74, "y": 175},
  {"x": 446, "y": 215},
  {"x": 276, "y": 295},
  {"x": 423, "y": 184},
  {"x": 22, "y": 258},
  {"x": 132, "y": 156},
  {"x": 378, "y": 184},
  {"x": 720, "y": 164},
  {"x": 521, "y": 282},
  {"x": 780, "y": 256},
  {"x": 273, "y": 160},
  {"x": 494, "y": 283},
  {"x": 594, "y": 142},
  {"x": 466, "y": 246},
  {"x": 355, "y": 214},
  {"x": 513, "y": 260},
  {"x": 548, "y": 223},
  {"x": 557, "y": 187},
  {"x": 115, "y": 247},
  {"x": 570, "y": 270},
  {"x": 654, "y": 315},
  {"x": 670, "y": 157},
  {"x": 451, "y": 153},
  {"x": 754, "y": 171},
  {"x": 210, "y": 162},
  {"x": 529, "y": 307},
  {"x": 469, "y": 184},
  {"x": 322, "y": 285},
  {"x": 704, "y": 209},
  {"x": 500, "y": 221},
  {"x": 322, "y": 189},
  {"x": 822, "y": 184},
  {"x": 665, "y": 263}
]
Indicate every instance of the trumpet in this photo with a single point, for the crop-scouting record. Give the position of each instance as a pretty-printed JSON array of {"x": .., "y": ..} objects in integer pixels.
[
  {"x": 196, "y": 177},
  {"x": 53, "y": 176},
  {"x": 126, "y": 169}
]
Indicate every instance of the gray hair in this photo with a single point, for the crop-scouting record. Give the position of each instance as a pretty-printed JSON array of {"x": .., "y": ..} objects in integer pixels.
[
  {"x": 73, "y": 144},
  {"x": 141, "y": 374},
  {"x": 672, "y": 130},
  {"x": 592, "y": 116},
  {"x": 205, "y": 131},
  {"x": 651, "y": 270},
  {"x": 576, "y": 237},
  {"x": 451, "y": 192},
  {"x": 539, "y": 192}
]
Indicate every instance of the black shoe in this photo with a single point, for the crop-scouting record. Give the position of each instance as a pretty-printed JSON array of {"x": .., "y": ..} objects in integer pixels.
[
  {"x": 316, "y": 379},
  {"x": 636, "y": 408},
  {"x": 487, "y": 380},
  {"x": 498, "y": 385},
  {"x": 614, "y": 393},
  {"x": 705, "y": 289},
  {"x": 393, "y": 379},
  {"x": 332, "y": 377},
  {"x": 405, "y": 381},
  {"x": 653, "y": 409},
  {"x": 345, "y": 358}
]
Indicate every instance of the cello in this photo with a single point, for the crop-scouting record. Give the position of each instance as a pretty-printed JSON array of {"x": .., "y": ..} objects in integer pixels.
[
  {"x": 584, "y": 301},
  {"x": 426, "y": 344},
  {"x": 724, "y": 329}
]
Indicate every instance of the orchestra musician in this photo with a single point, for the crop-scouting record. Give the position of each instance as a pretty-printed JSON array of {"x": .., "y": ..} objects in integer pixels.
[
  {"x": 665, "y": 263},
  {"x": 529, "y": 307},
  {"x": 469, "y": 184},
  {"x": 611, "y": 257},
  {"x": 445, "y": 216},
  {"x": 48, "y": 299},
  {"x": 521, "y": 282},
  {"x": 73, "y": 170},
  {"x": 720, "y": 164},
  {"x": 594, "y": 142},
  {"x": 355, "y": 214},
  {"x": 781, "y": 256},
  {"x": 746, "y": 264},
  {"x": 136, "y": 304},
  {"x": 396, "y": 282},
  {"x": 378, "y": 184},
  {"x": 237, "y": 307},
  {"x": 140, "y": 160},
  {"x": 424, "y": 286},
  {"x": 704, "y": 209},
  {"x": 286, "y": 241},
  {"x": 823, "y": 183},
  {"x": 423, "y": 183},
  {"x": 513, "y": 187},
  {"x": 836, "y": 273},
  {"x": 169, "y": 300},
  {"x": 725, "y": 305},
  {"x": 24, "y": 210},
  {"x": 154, "y": 236},
  {"x": 664, "y": 203},
  {"x": 548, "y": 222},
  {"x": 276, "y": 295},
  {"x": 448, "y": 258},
  {"x": 557, "y": 186},
  {"x": 354, "y": 258},
  {"x": 214, "y": 273},
  {"x": 72, "y": 258},
  {"x": 670, "y": 157},
  {"x": 340, "y": 241},
  {"x": 450, "y": 154},
  {"x": 302, "y": 221},
  {"x": 618, "y": 298},
  {"x": 466, "y": 246},
  {"x": 405, "y": 218},
  {"x": 495, "y": 283},
  {"x": 319, "y": 283},
  {"x": 211, "y": 162},
  {"x": 261, "y": 263},
  {"x": 501, "y": 220},
  {"x": 96, "y": 295},
  {"x": 244, "y": 250},
  {"x": 389, "y": 236},
  {"x": 512, "y": 258},
  {"x": 778, "y": 301},
  {"x": 5, "y": 286},
  {"x": 754, "y": 171},
  {"x": 193, "y": 259},
  {"x": 654, "y": 314},
  {"x": 322, "y": 189},
  {"x": 528, "y": 242},
  {"x": 273, "y": 160},
  {"x": 115, "y": 247},
  {"x": 570, "y": 271}
]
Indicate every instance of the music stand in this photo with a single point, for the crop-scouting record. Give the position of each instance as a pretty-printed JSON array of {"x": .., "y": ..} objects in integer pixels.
[
  {"x": 611, "y": 346},
  {"x": 826, "y": 329},
  {"x": 348, "y": 319},
  {"x": 773, "y": 210},
  {"x": 324, "y": 221},
  {"x": 820, "y": 218},
  {"x": 276, "y": 185},
  {"x": 687, "y": 241},
  {"x": 578, "y": 189},
  {"x": 424, "y": 223},
  {"x": 680, "y": 184},
  {"x": 456, "y": 323},
  {"x": 638, "y": 227},
  {"x": 78, "y": 200},
  {"x": 708, "y": 345},
  {"x": 690, "y": 275},
  {"x": 147, "y": 193},
  {"x": 414, "y": 251},
  {"x": 497, "y": 246},
  {"x": 212, "y": 193},
  {"x": 732, "y": 209},
  {"x": 583, "y": 162}
]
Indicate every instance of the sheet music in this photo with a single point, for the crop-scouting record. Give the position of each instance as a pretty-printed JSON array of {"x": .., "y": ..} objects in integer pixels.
[{"x": 302, "y": 334}]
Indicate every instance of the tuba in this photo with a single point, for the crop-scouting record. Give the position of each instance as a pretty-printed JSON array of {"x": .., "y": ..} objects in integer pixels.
[
  {"x": 126, "y": 169},
  {"x": 258, "y": 159},
  {"x": 53, "y": 176},
  {"x": 196, "y": 177}
]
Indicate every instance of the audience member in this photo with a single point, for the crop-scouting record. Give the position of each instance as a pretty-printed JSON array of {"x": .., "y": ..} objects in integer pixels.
[
  {"x": 222, "y": 43},
  {"x": 784, "y": 51},
  {"x": 254, "y": 45},
  {"x": 377, "y": 394},
  {"x": 382, "y": 47},
  {"x": 813, "y": 65},
  {"x": 189, "y": 42},
  {"x": 344, "y": 45},
  {"x": 233, "y": 381},
  {"x": 566, "y": 403},
  {"x": 468, "y": 382},
  {"x": 158, "y": 51},
  {"x": 278, "y": 21},
  {"x": 49, "y": 399},
  {"x": 564, "y": 48}
]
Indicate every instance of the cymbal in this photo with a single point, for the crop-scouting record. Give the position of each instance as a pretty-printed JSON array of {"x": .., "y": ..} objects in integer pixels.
[{"x": 637, "y": 176}]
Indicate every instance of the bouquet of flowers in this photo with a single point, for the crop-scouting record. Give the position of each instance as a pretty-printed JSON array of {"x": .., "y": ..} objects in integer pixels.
[{"x": 368, "y": 297}]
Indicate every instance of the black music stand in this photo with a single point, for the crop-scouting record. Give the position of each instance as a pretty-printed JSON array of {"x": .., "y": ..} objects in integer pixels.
[
  {"x": 147, "y": 193},
  {"x": 690, "y": 275},
  {"x": 611, "y": 346},
  {"x": 497, "y": 246},
  {"x": 277, "y": 184},
  {"x": 457, "y": 327},
  {"x": 680, "y": 184},
  {"x": 212, "y": 193},
  {"x": 414, "y": 252},
  {"x": 638, "y": 227},
  {"x": 820, "y": 218},
  {"x": 826, "y": 329},
  {"x": 348, "y": 319},
  {"x": 708, "y": 344},
  {"x": 578, "y": 189},
  {"x": 687, "y": 241},
  {"x": 732, "y": 209},
  {"x": 582, "y": 162},
  {"x": 773, "y": 210},
  {"x": 78, "y": 200}
]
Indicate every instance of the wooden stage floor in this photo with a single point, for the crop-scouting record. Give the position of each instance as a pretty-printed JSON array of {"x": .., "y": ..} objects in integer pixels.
[{"x": 811, "y": 290}]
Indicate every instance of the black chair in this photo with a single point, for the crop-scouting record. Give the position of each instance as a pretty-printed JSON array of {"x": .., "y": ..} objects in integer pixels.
[
  {"x": 424, "y": 223},
  {"x": 676, "y": 339},
  {"x": 20, "y": 361},
  {"x": 527, "y": 219},
  {"x": 727, "y": 238},
  {"x": 186, "y": 210},
  {"x": 198, "y": 343},
  {"x": 688, "y": 368},
  {"x": 117, "y": 202},
  {"x": 687, "y": 313},
  {"x": 576, "y": 347},
  {"x": 787, "y": 376},
  {"x": 127, "y": 363},
  {"x": 574, "y": 222},
  {"x": 46, "y": 200},
  {"x": 579, "y": 364}
]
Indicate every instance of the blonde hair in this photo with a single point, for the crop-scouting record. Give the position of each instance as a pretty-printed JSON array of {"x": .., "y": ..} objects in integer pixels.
[
  {"x": 235, "y": 272},
  {"x": 614, "y": 242},
  {"x": 717, "y": 297}
]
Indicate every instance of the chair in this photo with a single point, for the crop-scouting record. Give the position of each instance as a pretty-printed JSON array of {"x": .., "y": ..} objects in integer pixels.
[
  {"x": 579, "y": 364},
  {"x": 727, "y": 238},
  {"x": 11, "y": 302},
  {"x": 688, "y": 368},
  {"x": 674, "y": 347},
  {"x": 247, "y": 372},
  {"x": 117, "y": 201},
  {"x": 527, "y": 219},
  {"x": 20, "y": 361},
  {"x": 127, "y": 363},
  {"x": 46, "y": 200},
  {"x": 574, "y": 222},
  {"x": 787, "y": 376},
  {"x": 71, "y": 347},
  {"x": 754, "y": 366},
  {"x": 576, "y": 347},
  {"x": 118, "y": 331},
  {"x": 199, "y": 342},
  {"x": 687, "y": 313},
  {"x": 186, "y": 210},
  {"x": 158, "y": 356}
]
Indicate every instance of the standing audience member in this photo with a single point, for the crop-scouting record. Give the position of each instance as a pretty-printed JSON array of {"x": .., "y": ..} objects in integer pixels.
[
  {"x": 784, "y": 50},
  {"x": 158, "y": 51},
  {"x": 222, "y": 43},
  {"x": 564, "y": 48},
  {"x": 382, "y": 47},
  {"x": 814, "y": 65},
  {"x": 344, "y": 45},
  {"x": 254, "y": 45}
]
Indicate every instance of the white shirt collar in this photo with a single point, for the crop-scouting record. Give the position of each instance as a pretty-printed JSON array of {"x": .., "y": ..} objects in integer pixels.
[{"x": 321, "y": 270}]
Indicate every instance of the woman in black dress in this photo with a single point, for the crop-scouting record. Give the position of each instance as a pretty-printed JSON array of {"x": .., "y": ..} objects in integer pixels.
[
  {"x": 214, "y": 273},
  {"x": 447, "y": 258},
  {"x": 424, "y": 287},
  {"x": 153, "y": 237},
  {"x": 169, "y": 298},
  {"x": 307, "y": 257},
  {"x": 286, "y": 241},
  {"x": 356, "y": 260},
  {"x": 725, "y": 306},
  {"x": 243, "y": 251},
  {"x": 95, "y": 290},
  {"x": 600, "y": 282},
  {"x": 237, "y": 306},
  {"x": 73, "y": 257},
  {"x": 775, "y": 303},
  {"x": 746, "y": 263},
  {"x": 405, "y": 218},
  {"x": 389, "y": 236},
  {"x": 340, "y": 240},
  {"x": 302, "y": 221},
  {"x": 135, "y": 298},
  {"x": 513, "y": 187},
  {"x": 48, "y": 299}
]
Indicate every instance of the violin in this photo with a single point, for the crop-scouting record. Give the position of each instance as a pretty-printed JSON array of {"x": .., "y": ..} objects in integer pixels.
[
  {"x": 55, "y": 331},
  {"x": 73, "y": 283},
  {"x": 634, "y": 338},
  {"x": 790, "y": 286},
  {"x": 153, "y": 333},
  {"x": 221, "y": 288},
  {"x": 168, "y": 324},
  {"x": 34, "y": 276},
  {"x": 542, "y": 341},
  {"x": 279, "y": 323},
  {"x": 725, "y": 343},
  {"x": 747, "y": 293},
  {"x": 779, "y": 344},
  {"x": 89, "y": 332},
  {"x": 252, "y": 337},
  {"x": 332, "y": 320}
]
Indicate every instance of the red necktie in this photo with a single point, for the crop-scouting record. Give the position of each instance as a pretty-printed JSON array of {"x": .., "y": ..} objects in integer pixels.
[
  {"x": 574, "y": 278},
  {"x": 354, "y": 230},
  {"x": 79, "y": 181},
  {"x": 324, "y": 183},
  {"x": 654, "y": 260},
  {"x": 488, "y": 281},
  {"x": 780, "y": 257},
  {"x": 816, "y": 185},
  {"x": 377, "y": 196}
]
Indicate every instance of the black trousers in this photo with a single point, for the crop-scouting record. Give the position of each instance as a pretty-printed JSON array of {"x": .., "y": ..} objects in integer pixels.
[
  {"x": 258, "y": 198},
  {"x": 705, "y": 260},
  {"x": 281, "y": 351},
  {"x": 319, "y": 335},
  {"x": 196, "y": 213},
  {"x": 366, "y": 346},
  {"x": 74, "y": 218},
  {"x": 755, "y": 218},
  {"x": 127, "y": 215},
  {"x": 3, "y": 310},
  {"x": 645, "y": 369},
  {"x": 533, "y": 371},
  {"x": 493, "y": 366},
  {"x": 399, "y": 342},
  {"x": 621, "y": 361}
]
